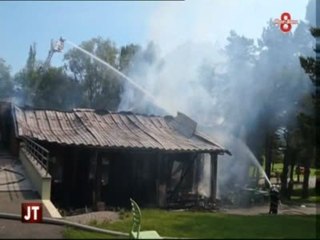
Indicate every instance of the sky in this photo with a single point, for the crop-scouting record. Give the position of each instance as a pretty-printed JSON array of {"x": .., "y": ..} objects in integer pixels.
[{"x": 168, "y": 23}]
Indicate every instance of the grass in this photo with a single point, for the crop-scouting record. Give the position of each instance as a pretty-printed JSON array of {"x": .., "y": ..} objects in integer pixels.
[
  {"x": 217, "y": 225},
  {"x": 296, "y": 196},
  {"x": 212, "y": 225},
  {"x": 71, "y": 233},
  {"x": 277, "y": 167}
]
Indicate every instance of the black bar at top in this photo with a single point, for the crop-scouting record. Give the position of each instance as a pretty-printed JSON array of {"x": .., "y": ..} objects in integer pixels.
[{"x": 92, "y": 0}]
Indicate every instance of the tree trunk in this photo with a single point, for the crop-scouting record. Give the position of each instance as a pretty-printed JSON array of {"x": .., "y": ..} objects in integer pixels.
[
  {"x": 317, "y": 113},
  {"x": 317, "y": 184},
  {"x": 306, "y": 174},
  {"x": 290, "y": 185},
  {"x": 317, "y": 165},
  {"x": 293, "y": 157},
  {"x": 284, "y": 174}
]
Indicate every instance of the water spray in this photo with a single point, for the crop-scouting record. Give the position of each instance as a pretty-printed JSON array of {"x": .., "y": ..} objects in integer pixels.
[
  {"x": 151, "y": 97},
  {"x": 123, "y": 76}
]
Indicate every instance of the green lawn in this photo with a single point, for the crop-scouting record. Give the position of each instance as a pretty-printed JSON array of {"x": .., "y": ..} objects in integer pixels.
[
  {"x": 212, "y": 225},
  {"x": 217, "y": 225},
  {"x": 278, "y": 167},
  {"x": 296, "y": 197}
]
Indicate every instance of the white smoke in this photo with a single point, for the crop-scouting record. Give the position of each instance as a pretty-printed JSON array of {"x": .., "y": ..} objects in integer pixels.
[{"x": 194, "y": 75}]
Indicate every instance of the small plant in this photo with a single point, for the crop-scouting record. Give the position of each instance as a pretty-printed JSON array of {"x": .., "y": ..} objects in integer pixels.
[
  {"x": 123, "y": 214},
  {"x": 105, "y": 221},
  {"x": 93, "y": 222}
]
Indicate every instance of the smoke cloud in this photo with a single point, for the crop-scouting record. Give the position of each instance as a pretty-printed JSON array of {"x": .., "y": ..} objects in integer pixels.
[{"x": 227, "y": 93}]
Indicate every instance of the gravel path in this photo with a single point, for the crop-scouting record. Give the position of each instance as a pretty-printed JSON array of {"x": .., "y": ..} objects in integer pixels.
[
  {"x": 306, "y": 209},
  {"x": 14, "y": 190},
  {"x": 10, "y": 202},
  {"x": 101, "y": 216}
]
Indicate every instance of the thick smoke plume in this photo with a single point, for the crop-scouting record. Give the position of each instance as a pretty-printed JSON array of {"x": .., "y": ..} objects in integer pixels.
[{"x": 230, "y": 94}]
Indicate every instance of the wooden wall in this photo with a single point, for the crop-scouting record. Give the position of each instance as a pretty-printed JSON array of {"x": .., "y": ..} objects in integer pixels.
[{"x": 93, "y": 175}]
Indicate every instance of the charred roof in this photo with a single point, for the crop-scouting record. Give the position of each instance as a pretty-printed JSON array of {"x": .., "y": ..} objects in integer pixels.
[{"x": 112, "y": 130}]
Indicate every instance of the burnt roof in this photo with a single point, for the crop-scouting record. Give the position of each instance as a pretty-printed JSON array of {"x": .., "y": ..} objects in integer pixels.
[{"x": 112, "y": 130}]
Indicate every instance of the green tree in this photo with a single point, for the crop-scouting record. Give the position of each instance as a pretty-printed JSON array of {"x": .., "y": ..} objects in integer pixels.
[
  {"x": 268, "y": 85},
  {"x": 101, "y": 87},
  {"x": 279, "y": 76},
  {"x": 150, "y": 54},
  {"x": 6, "y": 84},
  {"x": 52, "y": 88},
  {"x": 240, "y": 50},
  {"x": 28, "y": 78},
  {"x": 139, "y": 64},
  {"x": 310, "y": 123},
  {"x": 127, "y": 55},
  {"x": 57, "y": 90}
]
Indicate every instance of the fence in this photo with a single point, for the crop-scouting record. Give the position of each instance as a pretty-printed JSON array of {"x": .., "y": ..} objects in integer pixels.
[{"x": 39, "y": 153}]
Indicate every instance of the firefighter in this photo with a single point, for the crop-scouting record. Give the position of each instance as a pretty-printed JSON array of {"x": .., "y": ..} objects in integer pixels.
[{"x": 274, "y": 200}]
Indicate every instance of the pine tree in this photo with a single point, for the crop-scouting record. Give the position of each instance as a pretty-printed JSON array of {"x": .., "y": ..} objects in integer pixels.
[{"x": 311, "y": 123}]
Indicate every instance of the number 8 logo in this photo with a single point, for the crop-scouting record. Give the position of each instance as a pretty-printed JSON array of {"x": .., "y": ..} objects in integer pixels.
[{"x": 285, "y": 25}]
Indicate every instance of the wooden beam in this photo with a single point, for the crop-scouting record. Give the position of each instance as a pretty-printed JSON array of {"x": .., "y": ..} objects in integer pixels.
[
  {"x": 94, "y": 163},
  {"x": 196, "y": 173},
  {"x": 196, "y": 176},
  {"x": 161, "y": 181},
  {"x": 74, "y": 174},
  {"x": 214, "y": 175},
  {"x": 98, "y": 178}
]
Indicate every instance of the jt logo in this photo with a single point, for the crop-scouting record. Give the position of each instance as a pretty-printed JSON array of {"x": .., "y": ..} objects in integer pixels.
[{"x": 31, "y": 212}]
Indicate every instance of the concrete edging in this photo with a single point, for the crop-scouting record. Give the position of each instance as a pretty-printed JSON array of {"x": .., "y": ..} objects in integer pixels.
[
  {"x": 37, "y": 175},
  {"x": 76, "y": 225},
  {"x": 40, "y": 180},
  {"x": 54, "y": 213}
]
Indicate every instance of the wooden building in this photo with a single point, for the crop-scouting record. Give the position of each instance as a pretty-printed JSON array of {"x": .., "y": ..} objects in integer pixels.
[
  {"x": 100, "y": 156},
  {"x": 8, "y": 138}
]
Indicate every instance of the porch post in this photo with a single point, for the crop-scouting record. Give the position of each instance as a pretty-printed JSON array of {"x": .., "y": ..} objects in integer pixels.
[
  {"x": 98, "y": 177},
  {"x": 214, "y": 173},
  {"x": 73, "y": 184},
  {"x": 94, "y": 159},
  {"x": 161, "y": 181}
]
